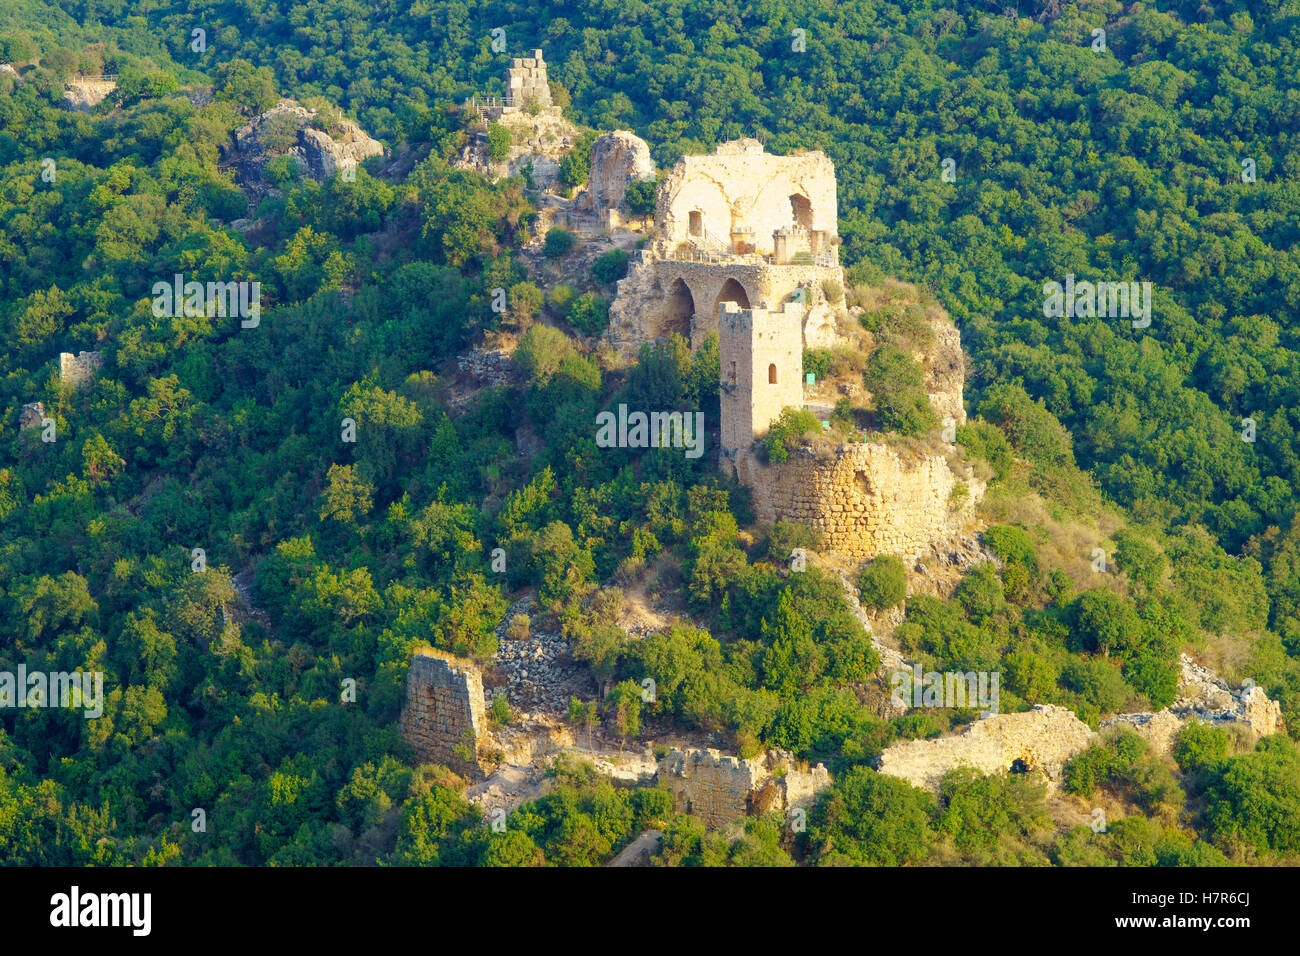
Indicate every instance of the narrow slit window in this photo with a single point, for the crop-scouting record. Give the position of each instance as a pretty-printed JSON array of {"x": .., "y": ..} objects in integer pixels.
[{"x": 771, "y": 375}]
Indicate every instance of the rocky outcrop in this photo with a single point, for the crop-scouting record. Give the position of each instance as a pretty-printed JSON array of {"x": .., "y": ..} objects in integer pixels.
[
  {"x": 316, "y": 152},
  {"x": 719, "y": 788},
  {"x": 1038, "y": 740},
  {"x": 617, "y": 159}
]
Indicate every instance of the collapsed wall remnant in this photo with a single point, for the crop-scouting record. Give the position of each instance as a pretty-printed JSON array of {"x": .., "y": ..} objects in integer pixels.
[
  {"x": 719, "y": 788},
  {"x": 1205, "y": 697},
  {"x": 526, "y": 83},
  {"x": 77, "y": 370},
  {"x": 1041, "y": 739},
  {"x": 1047, "y": 736},
  {"x": 444, "y": 718},
  {"x": 31, "y": 416},
  {"x": 617, "y": 159},
  {"x": 85, "y": 92}
]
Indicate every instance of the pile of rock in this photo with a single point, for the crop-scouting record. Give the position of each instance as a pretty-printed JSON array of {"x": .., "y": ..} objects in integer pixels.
[{"x": 541, "y": 674}]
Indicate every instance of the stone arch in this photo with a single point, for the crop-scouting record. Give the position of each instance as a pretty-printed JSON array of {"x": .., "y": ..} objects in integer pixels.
[
  {"x": 731, "y": 291},
  {"x": 679, "y": 309}
]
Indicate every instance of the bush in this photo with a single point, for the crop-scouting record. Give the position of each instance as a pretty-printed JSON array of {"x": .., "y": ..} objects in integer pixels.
[
  {"x": 785, "y": 432},
  {"x": 559, "y": 242},
  {"x": 817, "y": 361},
  {"x": 519, "y": 627},
  {"x": 640, "y": 197},
  {"x": 560, "y": 300},
  {"x": 610, "y": 267},
  {"x": 784, "y": 536},
  {"x": 883, "y": 583},
  {"x": 1199, "y": 745},
  {"x": 590, "y": 313},
  {"x": 498, "y": 142},
  {"x": 897, "y": 386},
  {"x": 541, "y": 351}
]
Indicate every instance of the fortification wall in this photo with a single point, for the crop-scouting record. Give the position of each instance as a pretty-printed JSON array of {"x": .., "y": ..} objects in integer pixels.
[
  {"x": 649, "y": 303},
  {"x": 1042, "y": 739},
  {"x": 866, "y": 499},
  {"x": 720, "y": 788},
  {"x": 444, "y": 711}
]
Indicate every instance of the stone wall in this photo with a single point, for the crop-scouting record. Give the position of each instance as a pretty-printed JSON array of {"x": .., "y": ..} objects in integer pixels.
[
  {"x": 77, "y": 370},
  {"x": 444, "y": 710},
  {"x": 1042, "y": 739},
  {"x": 720, "y": 788},
  {"x": 741, "y": 187},
  {"x": 1205, "y": 697},
  {"x": 83, "y": 93},
  {"x": 866, "y": 499},
  {"x": 660, "y": 296}
]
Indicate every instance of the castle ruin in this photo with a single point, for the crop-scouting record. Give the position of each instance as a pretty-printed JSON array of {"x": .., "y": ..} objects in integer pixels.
[
  {"x": 719, "y": 788},
  {"x": 444, "y": 718},
  {"x": 745, "y": 245}
]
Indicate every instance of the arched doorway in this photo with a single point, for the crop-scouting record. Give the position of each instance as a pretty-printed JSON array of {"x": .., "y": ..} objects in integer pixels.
[
  {"x": 732, "y": 291},
  {"x": 679, "y": 310}
]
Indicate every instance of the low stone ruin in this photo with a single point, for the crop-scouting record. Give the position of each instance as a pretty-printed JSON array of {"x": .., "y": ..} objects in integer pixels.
[{"x": 719, "y": 788}]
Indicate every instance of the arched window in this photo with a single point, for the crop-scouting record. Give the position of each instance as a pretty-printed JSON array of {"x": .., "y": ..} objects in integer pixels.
[{"x": 771, "y": 375}]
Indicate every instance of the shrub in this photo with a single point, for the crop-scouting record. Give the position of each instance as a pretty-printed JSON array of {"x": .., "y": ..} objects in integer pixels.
[
  {"x": 610, "y": 267},
  {"x": 640, "y": 197},
  {"x": 793, "y": 424},
  {"x": 560, "y": 300},
  {"x": 498, "y": 142},
  {"x": 541, "y": 350},
  {"x": 519, "y": 627},
  {"x": 559, "y": 242},
  {"x": 883, "y": 583},
  {"x": 590, "y": 313}
]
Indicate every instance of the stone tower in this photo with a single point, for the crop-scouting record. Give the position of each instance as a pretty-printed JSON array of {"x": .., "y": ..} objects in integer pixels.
[
  {"x": 444, "y": 718},
  {"x": 527, "y": 81},
  {"x": 760, "y": 356}
]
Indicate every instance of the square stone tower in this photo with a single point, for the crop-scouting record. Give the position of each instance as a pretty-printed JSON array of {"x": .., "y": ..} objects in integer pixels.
[
  {"x": 527, "y": 81},
  {"x": 761, "y": 363},
  {"x": 444, "y": 718}
]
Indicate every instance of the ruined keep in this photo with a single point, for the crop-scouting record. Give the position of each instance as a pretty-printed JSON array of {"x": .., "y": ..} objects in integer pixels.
[
  {"x": 739, "y": 225},
  {"x": 745, "y": 245},
  {"x": 444, "y": 718}
]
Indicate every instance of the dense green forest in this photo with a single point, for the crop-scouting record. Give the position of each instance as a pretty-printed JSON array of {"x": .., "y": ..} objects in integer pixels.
[{"x": 1125, "y": 162}]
